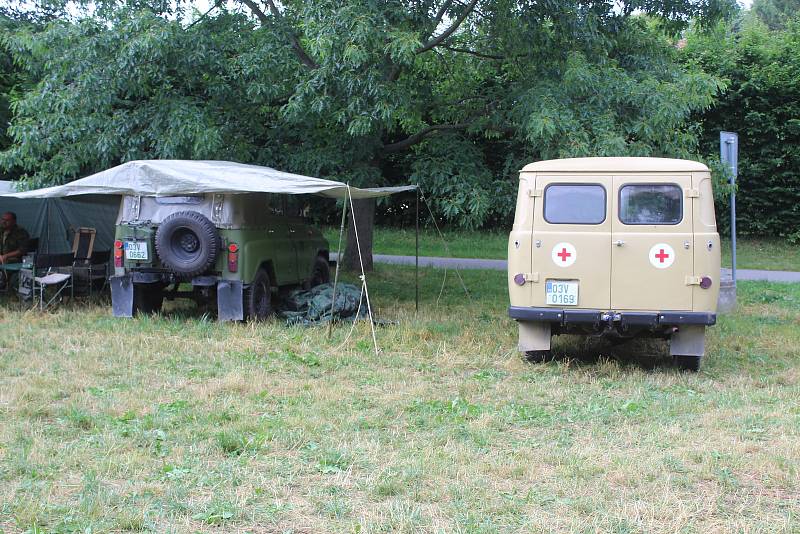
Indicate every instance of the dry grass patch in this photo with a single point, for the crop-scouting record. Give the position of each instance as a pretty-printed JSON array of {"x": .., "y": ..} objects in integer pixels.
[{"x": 177, "y": 423}]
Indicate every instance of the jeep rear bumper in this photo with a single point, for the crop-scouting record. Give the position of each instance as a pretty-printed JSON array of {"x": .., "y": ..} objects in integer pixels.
[{"x": 647, "y": 319}]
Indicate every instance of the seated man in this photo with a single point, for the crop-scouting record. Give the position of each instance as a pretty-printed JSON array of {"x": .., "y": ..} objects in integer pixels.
[{"x": 13, "y": 242}]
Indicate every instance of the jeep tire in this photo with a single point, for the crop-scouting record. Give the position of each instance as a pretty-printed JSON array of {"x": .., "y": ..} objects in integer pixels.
[
  {"x": 147, "y": 298},
  {"x": 539, "y": 356},
  {"x": 187, "y": 243},
  {"x": 321, "y": 273},
  {"x": 687, "y": 363},
  {"x": 258, "y": 297}
]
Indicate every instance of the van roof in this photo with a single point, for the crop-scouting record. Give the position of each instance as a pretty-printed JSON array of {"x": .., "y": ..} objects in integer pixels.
[{"x": 615, "y": 165}]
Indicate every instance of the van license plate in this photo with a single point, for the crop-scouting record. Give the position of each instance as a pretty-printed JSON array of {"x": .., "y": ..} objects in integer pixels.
[
  {"x": 561, "y": 292},
  {"x": 136, "y": 250}
]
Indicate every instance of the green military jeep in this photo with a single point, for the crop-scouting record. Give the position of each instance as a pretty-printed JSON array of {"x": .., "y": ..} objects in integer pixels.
[{"x": 235, "y": 250}]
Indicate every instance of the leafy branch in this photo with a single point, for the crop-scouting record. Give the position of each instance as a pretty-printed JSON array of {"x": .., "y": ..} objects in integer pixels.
[
  {"x": 297, "y": 48},
  {"x": 449, "y": 31}
]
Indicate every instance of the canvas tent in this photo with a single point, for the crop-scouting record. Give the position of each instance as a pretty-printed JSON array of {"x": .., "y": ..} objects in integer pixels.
[
  {"x": 53, "y": 220},
  {"x": 159, "y": 178}
]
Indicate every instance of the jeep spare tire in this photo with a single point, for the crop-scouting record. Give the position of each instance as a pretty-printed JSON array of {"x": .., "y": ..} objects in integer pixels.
[{"x": 187, "y": 243}]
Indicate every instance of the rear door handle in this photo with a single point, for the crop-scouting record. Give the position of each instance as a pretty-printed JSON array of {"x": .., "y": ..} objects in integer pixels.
[{"x": 619, "y": 242}]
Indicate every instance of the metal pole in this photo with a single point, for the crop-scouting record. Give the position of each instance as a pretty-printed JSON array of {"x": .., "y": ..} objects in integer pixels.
[
  {"x": 729, "y": 154},
  {"x": 416, "y": 248},
  {"x": 733, "y": 227}
]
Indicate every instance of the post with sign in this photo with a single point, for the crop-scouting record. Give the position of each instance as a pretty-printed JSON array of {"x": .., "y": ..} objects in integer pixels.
[{"x": 729, "y": 155}]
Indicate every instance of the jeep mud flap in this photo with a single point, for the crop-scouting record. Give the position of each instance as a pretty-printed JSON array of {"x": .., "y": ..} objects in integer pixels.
[
  {"x": 122, "y": 295},
  {"x": 230, "y": 305}
]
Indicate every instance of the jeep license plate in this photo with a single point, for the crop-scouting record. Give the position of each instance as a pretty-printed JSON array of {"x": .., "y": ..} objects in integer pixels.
[
  {"x": 561, "y": 292},
  {"x": 136, "y": 250}
]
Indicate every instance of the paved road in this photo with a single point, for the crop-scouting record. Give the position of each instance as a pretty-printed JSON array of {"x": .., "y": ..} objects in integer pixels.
[{"x": 500, "y": 265}]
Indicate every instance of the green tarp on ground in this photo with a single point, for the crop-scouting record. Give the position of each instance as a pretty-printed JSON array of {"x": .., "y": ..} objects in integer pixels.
[
  {"x": 314, "y": 305},
  {"x": 52, "y": 219}
]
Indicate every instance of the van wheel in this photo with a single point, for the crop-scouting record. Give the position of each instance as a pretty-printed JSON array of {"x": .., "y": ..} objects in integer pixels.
[
  {"x": 147, "y": 298},
  {"x": 258, "y": 297},
  {"x": 539, "y": 356},
  {"x": 321, "y": 274},
  {"x": 687, "y": 363}
]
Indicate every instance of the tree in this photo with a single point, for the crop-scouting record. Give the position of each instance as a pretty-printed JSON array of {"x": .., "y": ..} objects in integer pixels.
[
  {"x": 776, "y": 14},
  {"x": 453, "y": 94},
  {"x": 762, "y": 104}
]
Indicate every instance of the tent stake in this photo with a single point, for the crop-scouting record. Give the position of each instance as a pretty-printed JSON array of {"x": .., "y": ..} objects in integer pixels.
[{"x": 338, "y": 262}]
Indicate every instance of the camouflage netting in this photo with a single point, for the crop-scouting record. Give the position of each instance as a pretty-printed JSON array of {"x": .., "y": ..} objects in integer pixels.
[{"x": 314, "y": 306}]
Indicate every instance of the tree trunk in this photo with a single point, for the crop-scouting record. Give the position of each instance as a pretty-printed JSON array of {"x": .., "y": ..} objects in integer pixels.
[{"x": 364, "y": 211}]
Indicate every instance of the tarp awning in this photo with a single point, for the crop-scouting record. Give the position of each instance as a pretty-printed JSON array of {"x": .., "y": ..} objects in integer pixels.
[{"x": 159, "y": 178}]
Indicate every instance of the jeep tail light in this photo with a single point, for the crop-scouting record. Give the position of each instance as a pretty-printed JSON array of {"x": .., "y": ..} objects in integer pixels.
[
  {"x": 118, "y": 245},
  {"x": 233, "y": 257}
]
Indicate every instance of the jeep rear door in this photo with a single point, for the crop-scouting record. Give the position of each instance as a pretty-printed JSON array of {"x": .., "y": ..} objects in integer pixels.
[
  {"x": 652, "y": 244},
  {"x": 571, "y": 238}
]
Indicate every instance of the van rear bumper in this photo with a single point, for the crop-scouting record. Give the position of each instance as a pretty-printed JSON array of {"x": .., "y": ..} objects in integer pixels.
[{"x": 651, "y": 319}]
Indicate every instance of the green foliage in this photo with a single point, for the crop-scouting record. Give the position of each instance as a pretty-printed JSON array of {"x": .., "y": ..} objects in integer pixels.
[
  {"x": 453, "y": 96},
  {"x": 776, "y": 13},
  {"x": 762, "y": 104},
  {"x": 9, "y": 80},
  {"x": 147, "y": 88}
]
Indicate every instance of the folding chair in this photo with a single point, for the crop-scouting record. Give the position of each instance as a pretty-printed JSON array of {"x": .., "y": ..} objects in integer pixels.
[
  {"x": 83, "y": 243},
  {"x": 49, "y": 271},
  {"x": 88, "y": 266},
  {"x": 90, "y": 274}
]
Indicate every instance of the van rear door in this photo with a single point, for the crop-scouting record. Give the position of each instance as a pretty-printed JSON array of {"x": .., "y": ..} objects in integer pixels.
[
  {"x": 652, "y": 243},
  {"x": 571, "y": 250}
]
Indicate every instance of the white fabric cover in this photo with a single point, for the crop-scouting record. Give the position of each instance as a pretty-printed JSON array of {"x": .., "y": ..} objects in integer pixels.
[
  {"x": 53, "y": 278},
  {"x": 159, "y": 178}
]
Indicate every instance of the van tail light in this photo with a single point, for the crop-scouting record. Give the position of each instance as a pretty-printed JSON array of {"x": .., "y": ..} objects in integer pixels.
[
  {"x": 233, "y": 257},
  {"x": 118, "y": 245},
  {"x": 705, "y": 282}
]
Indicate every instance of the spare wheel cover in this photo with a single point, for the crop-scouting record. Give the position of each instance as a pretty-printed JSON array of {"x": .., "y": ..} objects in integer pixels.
[{"x": 187, "y": 243}]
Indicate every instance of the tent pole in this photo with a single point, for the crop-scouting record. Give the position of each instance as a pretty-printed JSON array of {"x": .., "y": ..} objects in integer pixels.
[
  {"x": 416, "y": 249},
  {"x": 363, "y": 274},
  {"x": 338, "y": 262}
]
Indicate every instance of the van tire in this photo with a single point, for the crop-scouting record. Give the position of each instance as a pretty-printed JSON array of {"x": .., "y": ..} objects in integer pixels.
[
  {"x": 539, "y": 356},
  {"x": 258, "y": 297},
  {"x": 687, "y": 363},
  {"x": 187, "y": 243}
]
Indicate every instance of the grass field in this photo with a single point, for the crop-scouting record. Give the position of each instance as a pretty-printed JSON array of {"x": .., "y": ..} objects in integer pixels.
[
  {"x": 175, "y": 423},
  {"x": 751, "y": 253}
]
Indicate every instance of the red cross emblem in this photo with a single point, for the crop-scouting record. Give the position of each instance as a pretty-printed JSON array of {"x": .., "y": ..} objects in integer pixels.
[
  {"x": 563, "y": 254},
  {"x": 661, "y": 256}
]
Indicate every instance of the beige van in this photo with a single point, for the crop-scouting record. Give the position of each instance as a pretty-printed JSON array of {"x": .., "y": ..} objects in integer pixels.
[{"x": 618, "y": 247}]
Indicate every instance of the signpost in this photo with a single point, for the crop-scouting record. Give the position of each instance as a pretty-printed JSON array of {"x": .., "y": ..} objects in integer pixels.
[{"x": 729, "y": 154}]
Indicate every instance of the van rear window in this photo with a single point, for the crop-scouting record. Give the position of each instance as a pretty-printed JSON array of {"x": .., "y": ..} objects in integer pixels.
[
  {"x": 650, "y": 204},
  {"x": 574, "y": 204}
]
